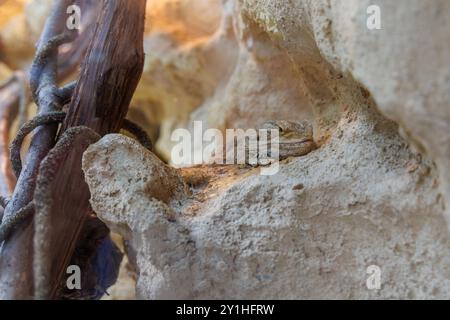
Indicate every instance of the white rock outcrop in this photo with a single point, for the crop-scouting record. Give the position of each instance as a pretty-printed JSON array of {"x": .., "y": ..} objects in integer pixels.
[{"x": 375, "y": 192}]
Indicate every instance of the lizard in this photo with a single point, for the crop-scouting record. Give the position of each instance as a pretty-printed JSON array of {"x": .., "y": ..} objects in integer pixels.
[
  {"x": 295, "y": 137},
  {"x": 295, "y": 140}
]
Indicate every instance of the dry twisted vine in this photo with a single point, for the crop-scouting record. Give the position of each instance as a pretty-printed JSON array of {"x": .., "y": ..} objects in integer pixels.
[
  {"x": 12, "y": 222},
  {"x": 14, "y": 91},
  {"x": 50, "y": 100},
  {"x": 40, "y": 120},
  {"x": 50, "y": 117},
  {"x": 58, "y": 117},
  {"x": 44, "y": 90},
  {"x": 43, "y": 202}
]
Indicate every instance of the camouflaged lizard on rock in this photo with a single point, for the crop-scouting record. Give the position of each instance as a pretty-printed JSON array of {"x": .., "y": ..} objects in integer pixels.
[{"x": 295, "y": 139}]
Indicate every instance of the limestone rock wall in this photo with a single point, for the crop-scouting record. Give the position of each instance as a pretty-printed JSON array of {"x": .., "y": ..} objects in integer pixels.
[
  {"x": 375, "y": 192},
  {"x": 404, "y": 66}
]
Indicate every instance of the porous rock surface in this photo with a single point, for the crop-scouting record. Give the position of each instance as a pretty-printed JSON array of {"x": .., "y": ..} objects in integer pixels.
[{"x": 375, "y": 192}]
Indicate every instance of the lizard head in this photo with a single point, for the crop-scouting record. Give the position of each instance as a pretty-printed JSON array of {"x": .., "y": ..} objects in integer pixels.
[{"x": 291, "y": 130}]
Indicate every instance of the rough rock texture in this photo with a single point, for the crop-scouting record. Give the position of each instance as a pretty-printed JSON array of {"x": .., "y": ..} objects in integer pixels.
[
  {"x": 308, "y": 232},
  {"x": 403, "y": 65},
  {"x": 158, "y": 179},
  {"x": 376, "y": 191}
]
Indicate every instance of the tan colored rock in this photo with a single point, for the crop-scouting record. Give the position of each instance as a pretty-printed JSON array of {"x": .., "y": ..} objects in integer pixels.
[
  {"x": 310, "y": 231},
  {"x": 158, "y": 179},
  {"x": 152, "y": 188},
  {"x": 403, "y": 65},
  {"x": 184, "y": 20}
]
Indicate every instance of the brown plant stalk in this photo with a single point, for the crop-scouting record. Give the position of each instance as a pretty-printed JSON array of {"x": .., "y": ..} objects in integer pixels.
[{"x": 16, "y": 254}]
